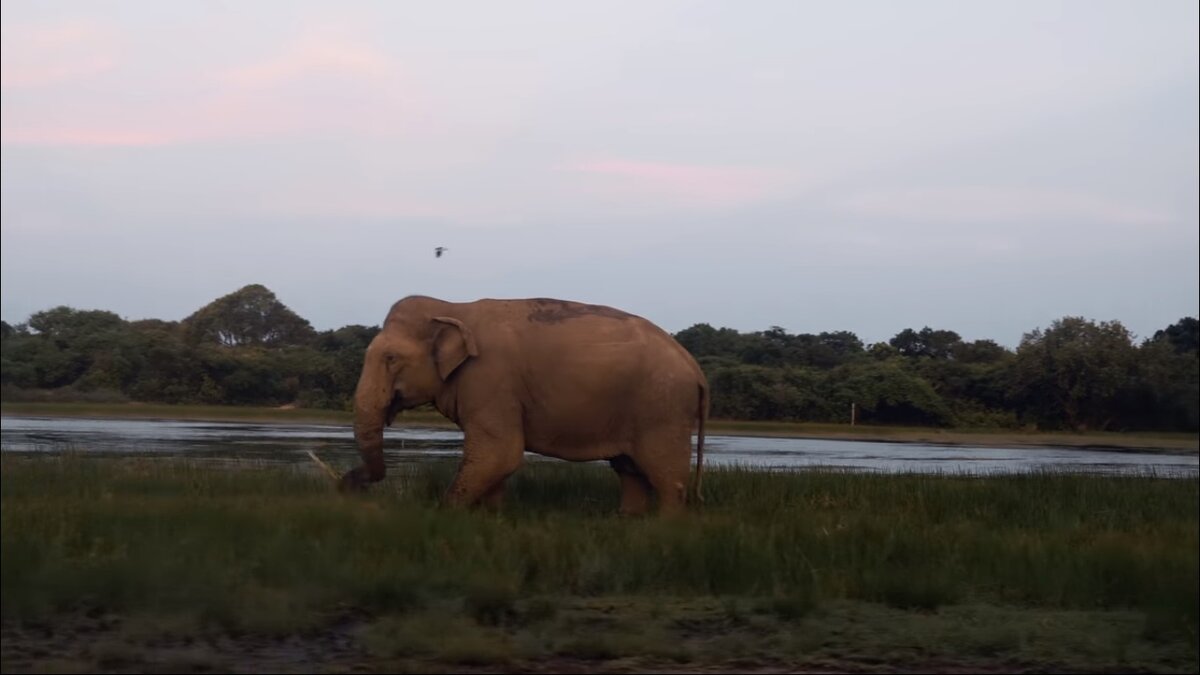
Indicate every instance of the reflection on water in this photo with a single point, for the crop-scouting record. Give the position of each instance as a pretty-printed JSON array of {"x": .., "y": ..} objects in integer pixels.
[{"x": 272, "y": 443}]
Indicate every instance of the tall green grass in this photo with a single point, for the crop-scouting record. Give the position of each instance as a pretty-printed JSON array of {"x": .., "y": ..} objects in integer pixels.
[{"x": 273, "y": 548}]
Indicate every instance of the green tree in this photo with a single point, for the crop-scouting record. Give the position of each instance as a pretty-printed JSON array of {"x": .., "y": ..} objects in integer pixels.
[
  {"x": 1073, "y": 373},
  {"x": 32, "y": 362},
  {"x": 937, "y": 344},
  {"x": 980, "y": 351},
  {"x": 250, "y": 316},
  {"x": 170, "y": 371},
  {"x": 882, "y": 351},
  {"x": 65, "y": 344},
  {"x": 886, "y": 392},
  {"x": 704, "y": 340},
  {"x": 342, "y": 351},
  {"x": 1165, "y": 393},
  {"x": 1183, "y": 335},
  {"x": 66, "y": 325},
  {"x": 842, "y": 344},
  {"x": 976, "y": 393},
  {"x": 751, "y": 392},
  {"x": 771, "y": 347},
  {"x": 1167, "y": 390}
]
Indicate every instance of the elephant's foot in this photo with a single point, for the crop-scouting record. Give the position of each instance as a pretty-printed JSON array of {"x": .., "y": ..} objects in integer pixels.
[
  {"x": 670, "y": 486},
  {"x": 355, "y": 480},
  {"x": 669, "y": 508},
  {"x": 491, "y": 501},
  {"x": 458, "y": 499},
  {"x": 494, "y": 499}
]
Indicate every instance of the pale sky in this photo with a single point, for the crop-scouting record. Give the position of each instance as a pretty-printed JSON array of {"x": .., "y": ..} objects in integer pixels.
[{"x": 983, "y": 167}]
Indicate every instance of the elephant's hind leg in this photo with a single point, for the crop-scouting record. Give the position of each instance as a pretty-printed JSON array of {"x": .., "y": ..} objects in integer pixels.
[
  {"x": 665, "y": 459},
  {"x": 635, "y": 489}
]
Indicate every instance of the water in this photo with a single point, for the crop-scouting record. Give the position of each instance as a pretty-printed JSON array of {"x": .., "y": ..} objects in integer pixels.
[{"x": 227, "y": 442}]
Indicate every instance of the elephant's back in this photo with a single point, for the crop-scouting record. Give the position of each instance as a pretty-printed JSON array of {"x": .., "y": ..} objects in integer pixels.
[
  {"x": 599, "y": 350},
  {"x": 574, "y": 336},
  {"x": 576, "y": 324},
  {"x": 546, "y": 311}
]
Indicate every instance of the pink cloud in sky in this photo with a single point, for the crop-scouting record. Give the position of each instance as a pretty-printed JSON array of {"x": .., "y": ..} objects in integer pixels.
[
  {"x": 224, "y": 115},
  {"x": 95, "y": 137},
  {"x": 317, "y": 54},
  {"x": 40, "y": 54},
  {"x": 698, "y": 183},
  {"x": 322, "y": 81}
]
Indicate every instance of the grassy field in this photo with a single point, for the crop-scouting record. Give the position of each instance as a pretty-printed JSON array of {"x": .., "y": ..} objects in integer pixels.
[
  {"x": 152, "y": 565},
  {"x": 1146, "y": 441}
]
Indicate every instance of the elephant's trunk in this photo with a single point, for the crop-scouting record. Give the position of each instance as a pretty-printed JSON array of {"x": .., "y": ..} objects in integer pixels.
[
  {"x": 371, "y": 409},
  {"x": 368, "y": 433}
]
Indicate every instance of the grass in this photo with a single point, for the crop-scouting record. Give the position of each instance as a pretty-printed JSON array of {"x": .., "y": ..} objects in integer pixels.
[
  {"x": 862, "y": 570},
  {"x": 1146, "y": 441}
]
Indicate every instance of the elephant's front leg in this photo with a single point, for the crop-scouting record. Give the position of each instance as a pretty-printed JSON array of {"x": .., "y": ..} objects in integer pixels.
[{"x": 488, "y": 459}]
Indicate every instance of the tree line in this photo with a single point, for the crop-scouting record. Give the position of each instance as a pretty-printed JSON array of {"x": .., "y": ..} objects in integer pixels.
[{"x": 248, "y": 348}]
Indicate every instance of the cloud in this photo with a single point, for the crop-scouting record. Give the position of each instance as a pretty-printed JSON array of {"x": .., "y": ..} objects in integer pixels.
[
  {"x": 320, "y": 82},
  {"x": 700, "y": 184},
  {"x": 313, "y": 55},
  {"x": 996, "y": 204},
  {"x": 35, "y": 55},
  {"x": 83, "y": 137},
  {"x": 331, "y": 202}
]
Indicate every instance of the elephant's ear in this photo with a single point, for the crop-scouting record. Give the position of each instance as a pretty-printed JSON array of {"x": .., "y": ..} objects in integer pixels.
[{"x": 452, "y": 344}]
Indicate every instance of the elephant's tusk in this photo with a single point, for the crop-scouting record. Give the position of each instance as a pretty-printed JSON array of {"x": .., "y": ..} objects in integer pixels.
[{"x": 324, "y": 467}]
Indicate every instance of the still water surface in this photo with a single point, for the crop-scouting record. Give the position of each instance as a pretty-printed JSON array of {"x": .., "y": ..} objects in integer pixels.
[{"x": 278, "y": 443}]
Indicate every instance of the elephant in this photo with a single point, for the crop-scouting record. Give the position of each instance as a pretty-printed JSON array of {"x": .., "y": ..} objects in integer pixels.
[{"x": 562, "y": 379}]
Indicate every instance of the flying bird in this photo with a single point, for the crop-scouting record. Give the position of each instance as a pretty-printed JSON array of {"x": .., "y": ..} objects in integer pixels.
[{"x": 438, "y": 251}]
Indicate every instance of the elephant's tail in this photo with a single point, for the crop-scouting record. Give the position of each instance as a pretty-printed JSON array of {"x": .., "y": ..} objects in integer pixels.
[{"x": 702, "y": 416}]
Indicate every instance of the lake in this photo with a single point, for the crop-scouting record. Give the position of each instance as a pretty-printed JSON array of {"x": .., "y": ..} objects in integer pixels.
[{"x": 231, "y": 442}]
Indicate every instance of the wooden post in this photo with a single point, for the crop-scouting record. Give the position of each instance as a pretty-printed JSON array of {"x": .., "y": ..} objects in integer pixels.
[{"x": 853, "y": 412}]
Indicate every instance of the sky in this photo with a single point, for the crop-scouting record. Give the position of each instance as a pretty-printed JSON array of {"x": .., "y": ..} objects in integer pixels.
[{"x": 985, "y": 167}]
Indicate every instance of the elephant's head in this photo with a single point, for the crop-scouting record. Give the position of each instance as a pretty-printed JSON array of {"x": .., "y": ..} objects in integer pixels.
[{"x": 405, "y": 366}]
